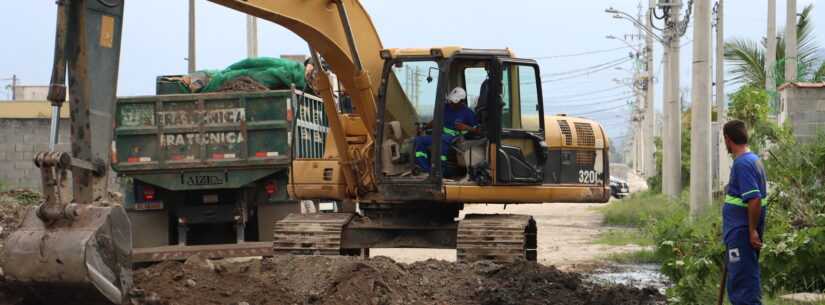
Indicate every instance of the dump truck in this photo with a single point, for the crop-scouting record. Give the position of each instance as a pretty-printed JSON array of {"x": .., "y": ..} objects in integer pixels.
[{"x": 207, "y": 173}]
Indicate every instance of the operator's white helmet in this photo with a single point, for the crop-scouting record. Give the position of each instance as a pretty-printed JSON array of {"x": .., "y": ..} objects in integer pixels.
[{"x": 456, "y": 95}]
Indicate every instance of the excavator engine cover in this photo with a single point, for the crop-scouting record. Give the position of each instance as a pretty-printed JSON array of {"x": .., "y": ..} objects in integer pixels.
[{"x": 94, "y": 247}]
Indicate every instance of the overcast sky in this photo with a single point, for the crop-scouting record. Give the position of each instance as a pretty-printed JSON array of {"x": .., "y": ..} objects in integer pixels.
[{"x": 155, "y": 40}]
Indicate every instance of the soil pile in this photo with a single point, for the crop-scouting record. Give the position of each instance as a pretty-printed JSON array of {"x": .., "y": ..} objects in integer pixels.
[
  {"x": 317, "y": 280},
  {"x": 377, "y": 281},
  {"x": 13, "y": 205}
]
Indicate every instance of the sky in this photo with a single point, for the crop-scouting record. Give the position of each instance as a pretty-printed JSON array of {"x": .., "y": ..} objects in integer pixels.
[{"x": 155, "y": 42}]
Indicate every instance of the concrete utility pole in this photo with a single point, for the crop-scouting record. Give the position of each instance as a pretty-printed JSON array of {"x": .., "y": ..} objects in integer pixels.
[
  {"x": 770, "y": 56},
  {"x": 721, "y": 114},
  {"x": 14, "y": 87},
  {"x": 791, "y": 47},
  {"x": 672, "y": 136},
  {"x": 251, "y": 37},
  {"x": 700, "y": 134},
  {"x": 191, "y": 57},
  {"x": 650, "y": 112}
]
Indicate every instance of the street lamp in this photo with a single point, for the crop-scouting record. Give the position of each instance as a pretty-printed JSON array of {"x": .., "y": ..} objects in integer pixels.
[{"x": 617, "y": 14}]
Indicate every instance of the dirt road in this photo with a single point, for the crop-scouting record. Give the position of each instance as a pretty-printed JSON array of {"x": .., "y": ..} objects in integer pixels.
[{"x": 566, "y": 232}]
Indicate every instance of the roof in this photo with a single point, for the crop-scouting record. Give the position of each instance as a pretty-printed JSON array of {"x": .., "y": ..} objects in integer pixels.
[
  {"x": 802, "y": 85},
  {"x": 29, "y": 110}
]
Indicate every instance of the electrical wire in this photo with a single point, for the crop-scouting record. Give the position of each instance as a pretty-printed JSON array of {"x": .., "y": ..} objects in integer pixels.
[
  {"x": 600, "y": 110},
  {"x": 561, "y": 97},
  {"x": 580, "y": 70},
  {"x": 581, "y": 53},
  {"x": 588, "y": 73},
  {"x": 574, "y": 99},
  {"x": 623, "y": 98}
]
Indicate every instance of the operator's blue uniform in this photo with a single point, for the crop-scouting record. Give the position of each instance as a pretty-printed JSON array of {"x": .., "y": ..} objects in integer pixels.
[
  {"x": 747, "y": 181},
  {"x": 463, "y": 115}
]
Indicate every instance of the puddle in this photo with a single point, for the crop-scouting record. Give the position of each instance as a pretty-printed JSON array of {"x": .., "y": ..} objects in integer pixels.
[{"x": 640, "y": 276}]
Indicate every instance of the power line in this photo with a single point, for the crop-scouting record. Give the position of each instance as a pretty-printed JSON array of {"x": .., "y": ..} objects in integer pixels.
[
  {"x": 576, "y": 71},
  {"x": 589, "y": 98},
  {"x": 600, "y": 110},
  {"x": 585, "y": 93},
  {"x": 588, "y": 73},
  {"x": 623, "y": 98},
  {"x": 582, "y": 53}
]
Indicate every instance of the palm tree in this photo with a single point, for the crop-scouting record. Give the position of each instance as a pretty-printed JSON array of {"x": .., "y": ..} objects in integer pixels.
[{"x": 748, "y": 58}]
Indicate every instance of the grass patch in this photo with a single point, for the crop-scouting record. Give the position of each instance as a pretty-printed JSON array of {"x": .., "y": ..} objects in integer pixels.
[
  {"x": 637, "y": 210},
  {"x": 636, "y": 257},
  {"x": 621, "y": 237}
]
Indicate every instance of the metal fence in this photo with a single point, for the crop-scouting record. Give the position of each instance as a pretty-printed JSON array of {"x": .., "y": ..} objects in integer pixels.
[{"x": 311, "y": 127}]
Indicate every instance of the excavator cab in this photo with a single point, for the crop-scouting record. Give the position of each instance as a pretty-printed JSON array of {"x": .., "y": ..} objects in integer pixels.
[{"x": 503, "y": 141}]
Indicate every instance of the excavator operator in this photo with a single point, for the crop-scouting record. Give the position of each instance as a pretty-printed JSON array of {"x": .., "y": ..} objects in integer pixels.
[{"x": 459, "y": 120}]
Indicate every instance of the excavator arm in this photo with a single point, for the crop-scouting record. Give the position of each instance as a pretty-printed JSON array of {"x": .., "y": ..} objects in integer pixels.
[
  {"x": 343, "y": 33},
  {"x": 356, "y": 61}
]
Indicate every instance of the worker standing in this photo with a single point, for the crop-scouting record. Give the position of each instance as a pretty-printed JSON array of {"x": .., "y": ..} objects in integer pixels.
[{"x": 743, "y": 217}]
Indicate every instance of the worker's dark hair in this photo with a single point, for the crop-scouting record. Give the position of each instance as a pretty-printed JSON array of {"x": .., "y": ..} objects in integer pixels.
[{"x": 737, "y": 131}]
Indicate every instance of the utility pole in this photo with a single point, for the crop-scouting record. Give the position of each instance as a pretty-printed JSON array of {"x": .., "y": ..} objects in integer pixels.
[
  {"x": 791, "y": 48},
  {"x": 251, "y": 36},
  {"x": 700, "y": 135},
  {"x": 14, "y": 87},
  {"x": 650, "y": 112},
  {"x": 639, "y": 85},
  {"x": 672, "y": 151},
  {"x": 770, "y": 57},
  {"x": 721, "y": 113},
  {"x": 191, "y": 58},
  {"x": 674, "y": 28}
]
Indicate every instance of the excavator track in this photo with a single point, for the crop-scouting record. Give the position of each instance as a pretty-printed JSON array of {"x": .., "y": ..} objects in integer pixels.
[
  {"x": 501, "y": 238},
  {"x": 310, "y": 234}
]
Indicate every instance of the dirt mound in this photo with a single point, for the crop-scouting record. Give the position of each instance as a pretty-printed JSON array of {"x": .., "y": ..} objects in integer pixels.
[
  {"x": 12, "y": 206},
  {"x": 378, "y": 281},
  {"x": 317, "y": 280}
]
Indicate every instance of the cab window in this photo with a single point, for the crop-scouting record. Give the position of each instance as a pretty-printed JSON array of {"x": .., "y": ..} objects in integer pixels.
[
  {"x": 473, "y": 79},
  {"x": 418, "y": 89},
  {"x": 520, "y": 97}
]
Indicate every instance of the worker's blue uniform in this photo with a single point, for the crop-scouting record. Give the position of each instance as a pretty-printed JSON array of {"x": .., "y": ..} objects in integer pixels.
[
  {"x": 463, "y": 115},
  {"x": 747, "y": 181}
]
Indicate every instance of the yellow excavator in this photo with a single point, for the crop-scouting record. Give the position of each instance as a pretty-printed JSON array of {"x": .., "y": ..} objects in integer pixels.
[{"x": 368, "y": 172}]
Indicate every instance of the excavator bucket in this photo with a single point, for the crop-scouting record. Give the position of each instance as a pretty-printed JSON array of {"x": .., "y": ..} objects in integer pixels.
[{"x": 93, "y": 249}]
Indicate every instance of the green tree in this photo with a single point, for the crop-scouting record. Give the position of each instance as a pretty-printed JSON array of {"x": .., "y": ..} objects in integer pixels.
[
  {"x": 748, "y": 57},
  {"x": 752, "y": 105}
]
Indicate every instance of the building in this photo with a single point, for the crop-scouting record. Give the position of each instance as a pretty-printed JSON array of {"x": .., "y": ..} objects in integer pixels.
[
  {"x": 802, "y": 107},
  {"x": 24, "y": 131},
  {"x": 30, "y": 93}
]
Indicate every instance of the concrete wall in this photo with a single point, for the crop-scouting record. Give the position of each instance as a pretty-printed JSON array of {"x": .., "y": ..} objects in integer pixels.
[
  {"x": 20, "y": 139},
  {"x": 803, "y": 108}
]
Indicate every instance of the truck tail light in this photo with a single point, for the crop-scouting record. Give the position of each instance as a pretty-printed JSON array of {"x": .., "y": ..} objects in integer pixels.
[
  {"x": 148, "y": 193},
  {"x": 271, "y": 188}
]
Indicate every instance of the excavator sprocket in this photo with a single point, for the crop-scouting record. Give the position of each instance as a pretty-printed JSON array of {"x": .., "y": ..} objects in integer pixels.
[
  {"x": 501, "y": 238},
  {"x": 310, "y": 234}
]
